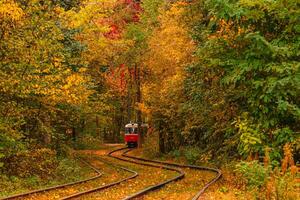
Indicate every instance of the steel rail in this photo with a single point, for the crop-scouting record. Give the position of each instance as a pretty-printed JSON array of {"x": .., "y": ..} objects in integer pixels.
[
  {"x": 152, "y": 187},
  {"x": 163, "y": 165},
  {"x": 135, "y": 174},
  {"x": 99, "y": 174},
  {"x": 212, "y": 181}
]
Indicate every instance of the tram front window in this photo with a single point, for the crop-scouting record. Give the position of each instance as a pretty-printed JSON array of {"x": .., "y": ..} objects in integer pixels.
[{"x": 128, "y": 130}]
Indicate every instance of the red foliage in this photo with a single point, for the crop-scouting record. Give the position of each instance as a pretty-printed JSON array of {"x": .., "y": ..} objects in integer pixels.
[
  {"x": 114, "y": 32},
  {"x": 135, "y": 9},
  {"x": 128, "y": 1},
  {"x": 135, "y": 18},
  {"x": 117, "y": 78}
]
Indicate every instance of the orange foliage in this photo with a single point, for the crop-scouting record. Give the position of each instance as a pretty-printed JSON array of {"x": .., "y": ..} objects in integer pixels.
[
  {"x": 228, "y": 31},
  {"x": 267, "y": 157},
  {"x": 288, "y": 160},
  {"x": 116, "y": 78}
]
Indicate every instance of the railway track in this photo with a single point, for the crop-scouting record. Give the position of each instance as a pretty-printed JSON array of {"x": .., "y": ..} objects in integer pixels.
[
  {"x": 129, "y": 159},
  {"x": 180, "y": 175},
  {"x": 135, "y": 174},
  {"x": 25, "y": 194},
  {"x": 79, "y": 194},
  {"x": 202, "y": 190}
]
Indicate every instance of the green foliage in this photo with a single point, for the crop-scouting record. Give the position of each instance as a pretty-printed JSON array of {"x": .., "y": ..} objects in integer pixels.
[
  {"x": 64, "y": 151},
  {"x": 176, "y": 153},
  {"x": 38, "y": 162},
  {"x": 268, "y": 183},
  {"x": 87, "y": 142},
  {"x": 285, "y": 186},
  {"x": 44, "y": 89},
  {"x": 248, "y": 63},
  {"x": 135, "y": 33},
  {"x": 224, "y": 189},
  {"x": 250, "y": 137},
  {"x": 14, "y": 184},
  {"x": 254, "y": 173},
  {"x": 69, "y": 169},
  {"x": 150, "y": 147},
  {"x": 151, "y": 10},
  {"x": 69, "y": 4},
  {"x": 9, "y": 140},
  {"x": 191, "y": 154}
]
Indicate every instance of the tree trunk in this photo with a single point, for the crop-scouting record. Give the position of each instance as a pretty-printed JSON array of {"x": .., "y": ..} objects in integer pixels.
[
  {"x": 128, "y": 105},
  {"x": 139, "y": 100},
  {"x": 98, "y": 132},
  {"x": 73, "y": 134},
  {"x": 161, "y": 141}
]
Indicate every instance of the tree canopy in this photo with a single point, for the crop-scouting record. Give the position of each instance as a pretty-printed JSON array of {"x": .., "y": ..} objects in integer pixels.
[{"x": 221, "y": 75}]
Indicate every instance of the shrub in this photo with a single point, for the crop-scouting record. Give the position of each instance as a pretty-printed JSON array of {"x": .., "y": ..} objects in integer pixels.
[
  {"x": 268, "y": 183},
  {"x": 87, "y": 142},
  {"x": 38, "y": 162},
  {"x": 176, "y": 153},
  {"x": 150, "y": 146},
  {"x": 64, "y": 150},
  {"x": 253, "y": 172},
  {"x": 68, "y": 169},
  {"x": 191, "y": 154}
]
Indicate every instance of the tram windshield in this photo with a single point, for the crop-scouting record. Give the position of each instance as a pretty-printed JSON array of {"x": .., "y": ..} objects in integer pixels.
[
  {"x": 131, "y": 130},
  {"x": 128, "y": 130}
]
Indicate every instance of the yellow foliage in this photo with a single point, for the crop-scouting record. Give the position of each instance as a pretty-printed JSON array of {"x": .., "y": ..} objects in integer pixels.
[
  {"x": 73, "y": 91},
  {"x": 228, "y": 32},
  {"x": 10, "y": 10},
  {"x": 93, "y": 20},
  {"x": 144, "y": 109},
  {"x": 170, "y": 50},
  {"x": 170, "y": 46}
]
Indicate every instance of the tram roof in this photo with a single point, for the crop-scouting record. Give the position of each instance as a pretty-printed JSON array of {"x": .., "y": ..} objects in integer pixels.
[{"x": 131, "y": 125}]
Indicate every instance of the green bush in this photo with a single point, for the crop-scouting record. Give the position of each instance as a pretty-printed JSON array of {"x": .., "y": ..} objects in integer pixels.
[
  {"x": 176, "y": 153},
  {"x": 38, "y": 162},
  {"x": 191, "y": 154},
  {"x": 253, "y": 172},
  {"x": 87, "y": 142},
  {"x": 150, "y": 146},
  {"x": 68, "y": 169},
  {"x": 64, "y": 151},
  {"x": 267, "y": 183}
]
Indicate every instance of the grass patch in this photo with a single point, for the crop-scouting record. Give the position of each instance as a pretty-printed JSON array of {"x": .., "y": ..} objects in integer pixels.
[
  {"x": 68, "y": 170},
  {"x": 87, "y": 142}
]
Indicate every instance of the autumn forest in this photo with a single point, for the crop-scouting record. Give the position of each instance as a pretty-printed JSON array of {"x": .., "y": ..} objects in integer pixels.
[{"x": 213, "y": 83}]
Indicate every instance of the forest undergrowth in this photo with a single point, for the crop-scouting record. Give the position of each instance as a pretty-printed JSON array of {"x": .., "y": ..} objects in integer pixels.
[{"x": 249, "y": 179}]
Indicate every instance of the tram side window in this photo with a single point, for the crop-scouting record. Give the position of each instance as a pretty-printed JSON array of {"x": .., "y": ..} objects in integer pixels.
[{"x": 135, "y": 130}]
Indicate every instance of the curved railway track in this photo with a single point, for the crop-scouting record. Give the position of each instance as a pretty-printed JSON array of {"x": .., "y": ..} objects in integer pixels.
[
  {"x": 215, "y": 179},
  {"x": 129, "y": 159},
  {"x": 22, "y": 195},
  {"x": 180, "y": 175},
  {"x": 79, "y": 194}
]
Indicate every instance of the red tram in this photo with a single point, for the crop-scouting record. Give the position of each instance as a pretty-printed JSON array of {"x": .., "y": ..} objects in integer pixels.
[{"x": 131, "y": 134}]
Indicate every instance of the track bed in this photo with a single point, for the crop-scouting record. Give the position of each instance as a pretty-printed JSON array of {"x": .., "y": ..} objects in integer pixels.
[{"x": 120, "y": 175}]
